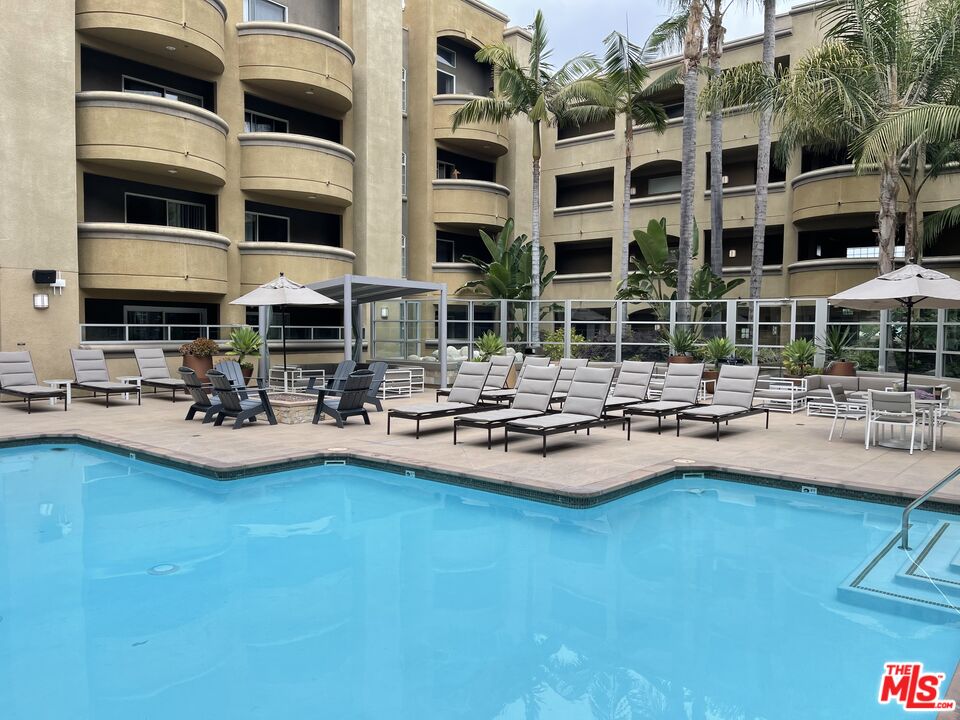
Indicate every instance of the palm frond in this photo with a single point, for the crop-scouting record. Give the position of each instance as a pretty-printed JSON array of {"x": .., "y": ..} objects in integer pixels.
[
  {"x": 929, "y": 123},
  {"x": 668, "y": 35},
  {"x": 935, "y": 224},
  {"x": 484, "y": 109}
]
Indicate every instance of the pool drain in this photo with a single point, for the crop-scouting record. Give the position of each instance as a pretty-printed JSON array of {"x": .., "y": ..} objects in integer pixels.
[
  {"x": 163, "y": 569},
  {"x": 58, "y": 449}
]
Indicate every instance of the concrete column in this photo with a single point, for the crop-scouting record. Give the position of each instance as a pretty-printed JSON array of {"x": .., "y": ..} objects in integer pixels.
[{"x": 378, "y": 136}]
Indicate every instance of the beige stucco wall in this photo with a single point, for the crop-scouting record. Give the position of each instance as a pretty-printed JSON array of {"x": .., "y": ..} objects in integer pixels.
[{"x": 38, "y": 222}]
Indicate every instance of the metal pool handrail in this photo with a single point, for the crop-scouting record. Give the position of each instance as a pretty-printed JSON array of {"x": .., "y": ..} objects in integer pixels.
[{"x": 905, "y": 522}]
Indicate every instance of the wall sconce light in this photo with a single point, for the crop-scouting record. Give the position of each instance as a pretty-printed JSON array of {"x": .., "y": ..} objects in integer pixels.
[
  {"x": 733, "y": 253},
  {"x": 41, "y": 301},
  {"x": 384, "y": 313}
]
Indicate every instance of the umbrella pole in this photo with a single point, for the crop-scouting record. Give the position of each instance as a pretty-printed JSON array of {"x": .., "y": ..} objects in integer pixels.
[
  {"x": 906, "y": 363},
  {"x": 283, "y": 338}
]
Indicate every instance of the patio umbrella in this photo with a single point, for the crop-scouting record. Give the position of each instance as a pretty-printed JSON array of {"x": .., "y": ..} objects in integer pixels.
[
  {"x": 280, "y": 293},
  {"x": 909, "y": 287}
]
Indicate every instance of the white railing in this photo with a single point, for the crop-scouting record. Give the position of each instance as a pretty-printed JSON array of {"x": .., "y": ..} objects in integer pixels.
[{"x": 131, "y": 334}]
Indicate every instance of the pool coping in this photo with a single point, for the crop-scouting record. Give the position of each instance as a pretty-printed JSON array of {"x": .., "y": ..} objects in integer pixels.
[{"x": 586, "y": 496}]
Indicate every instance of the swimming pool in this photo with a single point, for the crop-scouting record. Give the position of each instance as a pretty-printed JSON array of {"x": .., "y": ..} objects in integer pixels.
[{"x": 130, "y": 590}]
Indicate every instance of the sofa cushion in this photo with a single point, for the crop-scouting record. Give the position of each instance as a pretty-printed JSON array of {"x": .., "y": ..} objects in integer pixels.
[
  {"x": 849, "y": 384},
  {"x": 874, "y": 383}
]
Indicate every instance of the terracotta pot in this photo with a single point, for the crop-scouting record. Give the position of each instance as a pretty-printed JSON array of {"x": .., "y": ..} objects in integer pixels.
[
  {"x": 710, "y": 377},
  {"x": 842, "y": 367},
  {"x": 681, "y": 359},
  {"x": 247, "y": 373},
  {"x": 199, "y": 365}
]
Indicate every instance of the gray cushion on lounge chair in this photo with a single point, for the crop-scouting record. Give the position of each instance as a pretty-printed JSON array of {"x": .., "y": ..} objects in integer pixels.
[
  {"x": 633, "y": 381},
  {"x": 735, "y": 386},
  {"x": 499, "y": 371},
  {"x": 498, "y": 417},
  {"x": 682, "y": 383},
  {"x": 16, "y": 371},
  {"x": 110, "y": 386},
  {"x": 714, "y": 410},
  {"x": 89, "y": 366},
  {"x": 469, "y": 384},
  {"x": 661, "y": 405},
  {"x": 536, "y": 388},
  {"x": 588, "y": 391},
  {"x": 153, "y": 368},
  {"x": 555, "y": 420},
  {"x": 423, "y": 408},
  {"x": 568, "y": 368}
]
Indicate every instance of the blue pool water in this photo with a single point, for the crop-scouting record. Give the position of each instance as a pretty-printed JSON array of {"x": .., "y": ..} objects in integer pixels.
[{"x": 133, "y": 591}]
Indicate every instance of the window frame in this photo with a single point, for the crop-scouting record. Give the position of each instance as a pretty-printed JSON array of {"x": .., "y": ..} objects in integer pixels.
[
  {"x": 269, "y": 117},
  {"x": 443, "y": 60},
  {"x": 166, "y": 202},
  {"x": 452, "y": 77},
  {"x": 250, "y": 5},
  {"x": 453, "y": 250},
  {"x": 450, "y": 165},
  {"x": 256, "y": 231},
  {"x": 164, "y": 88}
]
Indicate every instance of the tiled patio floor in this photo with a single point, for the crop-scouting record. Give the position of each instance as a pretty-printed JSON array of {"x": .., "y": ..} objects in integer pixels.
[{"x": 794, "y": 447}]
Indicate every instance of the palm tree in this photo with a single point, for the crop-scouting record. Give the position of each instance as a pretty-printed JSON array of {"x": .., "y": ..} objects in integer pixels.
[
  {"x": 541, "y": 93},
  {"x": 625, "y": 77},
  {"x": 715, "y": 34},
  {"x": 878, "y": 58},
  {"x": 763, "y": 152}
]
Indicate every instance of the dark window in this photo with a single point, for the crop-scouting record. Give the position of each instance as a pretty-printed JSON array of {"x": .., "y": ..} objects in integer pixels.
[
  {"x": 584, "y": 256},
  {"x": 586, "y": 188},
  {"x": 260, "y": 227}
]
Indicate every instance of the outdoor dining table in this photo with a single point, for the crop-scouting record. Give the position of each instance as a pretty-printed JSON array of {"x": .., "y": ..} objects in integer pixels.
[{"x": 927, "y": 408}]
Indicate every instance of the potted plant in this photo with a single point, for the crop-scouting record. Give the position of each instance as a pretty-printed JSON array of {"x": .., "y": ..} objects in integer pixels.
[
  {"x": 198, "y": 356},
  {"x": 683, "y": 344},
  {"x": 715, "y": 351},
  {"x": 798, "y": 357},
  {"x": 488, "y": 345},
  {"x": 245, "y": 342},
  {"x": 835, "y": 345}
]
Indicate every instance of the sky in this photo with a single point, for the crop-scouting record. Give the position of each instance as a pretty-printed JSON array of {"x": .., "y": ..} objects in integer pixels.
[{"x": 576, "y": 26}]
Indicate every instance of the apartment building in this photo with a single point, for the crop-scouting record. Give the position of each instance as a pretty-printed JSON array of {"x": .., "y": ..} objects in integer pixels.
[{"x": 166, "y": 156}]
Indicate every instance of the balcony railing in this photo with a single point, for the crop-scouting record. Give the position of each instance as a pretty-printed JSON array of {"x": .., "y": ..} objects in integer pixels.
[{"x": 131, "y": 334}]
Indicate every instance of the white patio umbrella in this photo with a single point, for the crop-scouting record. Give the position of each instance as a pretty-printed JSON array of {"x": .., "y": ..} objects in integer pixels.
[
  {"x": 910, "y": 287},
  {"x": 280, "y": 293}
]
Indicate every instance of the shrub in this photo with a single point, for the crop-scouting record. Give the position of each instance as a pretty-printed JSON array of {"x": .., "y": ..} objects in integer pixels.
[
  {"x": 553, "y": 344},
  {"x": 488, "y": 345},
  {"x": 201, "y": 347}
]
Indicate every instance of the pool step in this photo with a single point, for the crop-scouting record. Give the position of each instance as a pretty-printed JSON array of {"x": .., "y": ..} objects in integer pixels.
[{"x": 892, "y": 580}]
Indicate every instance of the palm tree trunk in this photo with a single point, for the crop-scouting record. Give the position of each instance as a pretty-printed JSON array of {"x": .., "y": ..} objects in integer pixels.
[
  {"x": 715, "y": 50},
  {"x": 627, "y": 181},
  {"x": 763, "y": 154},
  {"x": 887, "y": 218},
  {"x": 913, "y": 183},
  {"x": 534, "y": 335},
  {"x": 692, "y": 54}
]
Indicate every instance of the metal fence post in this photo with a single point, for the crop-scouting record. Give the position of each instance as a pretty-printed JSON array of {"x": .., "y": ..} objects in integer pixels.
[
  {"x": 503, "y": 321},
  {"x": 618, "y": 353},
  {"x": 755, "y": 332},
  {"x": 470, "y": 331},
  {"x": 882, "y": 359},
  {"x": 940, "y": 344},
  {"x": 567, "y": 308},
  {"x": 821, "y": 316},
  {"x": 732, "y": 321}
]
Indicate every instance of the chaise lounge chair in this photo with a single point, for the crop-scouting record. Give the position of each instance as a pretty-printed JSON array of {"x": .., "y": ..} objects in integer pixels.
[
  {"x": 568, "y": 369},
  {"x": 90, "y": 370},
  {"x": 732, "y": 398},
  {"x": 631, "y": 387},
  {"x": 464, "y": 398},
  {"x": 18, "y": 378},
  {"x": 231, "y": 405},
  {"x": 349, "y": 403},
  {"x": 582, "y": 410},
  {"x": 155, "y": 373},
  {"x": 681, "y": 388},
  {"x": 497, "y": 379},
  {"x": 534, "y": 393},
  {"x": 506, "y": 394},
  {"x": 202, "y": 403}
]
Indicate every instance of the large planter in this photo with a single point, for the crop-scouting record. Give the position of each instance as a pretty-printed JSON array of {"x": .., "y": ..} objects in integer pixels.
[
  {"x": 681, "y": 359},
  {"x": 200, "y": 365},
  {"x": 843, "y": 368}
]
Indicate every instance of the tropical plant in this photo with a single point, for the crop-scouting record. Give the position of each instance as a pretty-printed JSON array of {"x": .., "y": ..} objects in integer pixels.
[
  {"x": 717, "y": 349},
  {"x": 879, "y": 60},
  {"x": 655, "y": 274},
  {"x": 201, "y": 347},
  {"x": 244, "y": 342},
  {"x": 625, "y": 82},
  {"x": 798, "y": 356},
  {"x": 507, "y": 274},
  {"x": 682, "y": 341},
  {"x": 488, "y": 345},
  {"x": 836, "y": 341},
  {"x": 537, "y": 91},
  {"x": 553, "y": 344}
]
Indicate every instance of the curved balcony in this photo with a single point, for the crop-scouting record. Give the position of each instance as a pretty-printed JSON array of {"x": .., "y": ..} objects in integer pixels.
[
  {"x": 260, "y": 262},
  {"x": 310, "y": 67},
  {"x": 127, "y": 256},
  {"x": 483, "y": 138},
  {"x": 190, "y": 32},
  {"x": 470, "y": 203},
  {"x": 828, "y": 276},
  {"x": 297, "y": 167},
  {"x": 834, "y": 191},
  {"x": 152, "y": 136}
]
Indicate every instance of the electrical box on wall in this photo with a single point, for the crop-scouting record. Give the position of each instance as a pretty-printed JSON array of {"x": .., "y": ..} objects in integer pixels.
[{"x": 44, "y": 277}]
